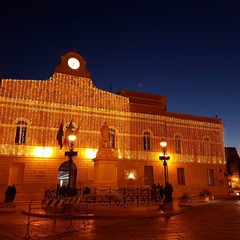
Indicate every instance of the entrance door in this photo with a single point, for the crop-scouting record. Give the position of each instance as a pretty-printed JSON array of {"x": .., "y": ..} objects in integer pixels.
[
  {"x": 65, "y": 172},
  {"x": 148, "y": 175}
]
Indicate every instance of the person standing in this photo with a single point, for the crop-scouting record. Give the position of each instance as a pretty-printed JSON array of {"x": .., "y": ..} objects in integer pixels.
[
  {"x": 168, "y": 190},
  {"x": 7, "y": 198},
  {"x": 160, "y": 192},
  {"x": 13, "y": 193}
]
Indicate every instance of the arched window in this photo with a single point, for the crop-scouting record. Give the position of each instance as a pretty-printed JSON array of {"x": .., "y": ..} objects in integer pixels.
[
  {"x": 21, "y": 130},
  {"x": 147, "y": 141},
  {"x": 178, "y": 144},
  {"x": 112, "y": 138}
]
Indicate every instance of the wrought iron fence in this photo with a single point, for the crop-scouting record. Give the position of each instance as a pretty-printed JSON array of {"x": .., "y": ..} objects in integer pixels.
[{"x": 121, "y": 197}]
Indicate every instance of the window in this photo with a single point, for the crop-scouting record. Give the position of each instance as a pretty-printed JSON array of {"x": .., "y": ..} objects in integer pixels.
[
  {"x": 21, "y": 130},
  {"x": 181, "y": 176},
  {"x": 130, "y": 174},
  {"x": 210, "y": 176},
  {"x": 112, "y": 138},
  {"x": 178, "y": 144},
  {"x": 146, "y": 141}
]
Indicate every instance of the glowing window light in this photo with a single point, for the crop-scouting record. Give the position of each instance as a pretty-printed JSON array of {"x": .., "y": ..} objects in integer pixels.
[
  {"x": 120, "y": 155},
  {"x": 43, "y": 152},
  {"x": 131, "y": 176},
  {"x": 91, "y": 153}
]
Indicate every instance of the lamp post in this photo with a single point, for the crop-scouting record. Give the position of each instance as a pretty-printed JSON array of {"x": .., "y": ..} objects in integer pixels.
[
  {"x": 167, "y": 204},
  {"x": 164, "y": 157},
  {"x": 70, "y": 154}
]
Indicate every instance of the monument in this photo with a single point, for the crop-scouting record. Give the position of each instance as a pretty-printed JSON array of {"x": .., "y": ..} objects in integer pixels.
[{"x": 105, "y": 169}]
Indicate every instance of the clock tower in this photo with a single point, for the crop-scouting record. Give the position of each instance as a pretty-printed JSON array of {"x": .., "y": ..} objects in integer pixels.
[{"x": 74, "y": 64}]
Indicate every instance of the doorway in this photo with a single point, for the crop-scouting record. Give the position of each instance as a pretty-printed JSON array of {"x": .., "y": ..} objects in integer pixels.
[
  {"x": 148, "y": 175},
  {"x": 63, "y": 175}
]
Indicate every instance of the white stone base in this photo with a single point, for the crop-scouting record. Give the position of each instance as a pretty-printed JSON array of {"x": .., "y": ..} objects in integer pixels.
[{"x": 105, "y": 169}]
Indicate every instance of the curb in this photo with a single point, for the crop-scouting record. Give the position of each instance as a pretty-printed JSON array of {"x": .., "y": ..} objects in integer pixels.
[
  {"x": 7, "y": 211},
  {"x": 115, "y": 215},
  {"x": 6, "y": 208}
]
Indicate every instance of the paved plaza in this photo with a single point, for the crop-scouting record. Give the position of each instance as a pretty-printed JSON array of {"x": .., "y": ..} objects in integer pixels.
[{"x": 215, "y": 220}]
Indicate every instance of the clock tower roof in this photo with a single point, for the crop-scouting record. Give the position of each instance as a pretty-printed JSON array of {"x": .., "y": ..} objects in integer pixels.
[{"x": 74, "y": 64}]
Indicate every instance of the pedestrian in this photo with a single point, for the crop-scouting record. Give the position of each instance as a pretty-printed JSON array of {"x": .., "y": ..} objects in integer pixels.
[
  {"x": 87, "y": 190},
  {"x": 160, "y": 191},
  {"x": 168, "y": 190},
  {"x": 7, "y": 198},
  {"x": 154, "y": 192},
  {"x": 13, "y": 193}
]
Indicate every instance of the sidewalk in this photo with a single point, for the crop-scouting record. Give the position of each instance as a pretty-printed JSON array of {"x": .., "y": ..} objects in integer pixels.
[
  {"x": 100, "y": 212},
  {"x": 7, "y": 208}
]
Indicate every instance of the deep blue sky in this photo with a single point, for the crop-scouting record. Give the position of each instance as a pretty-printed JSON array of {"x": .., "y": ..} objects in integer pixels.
[{"x": 187, "y": 50}]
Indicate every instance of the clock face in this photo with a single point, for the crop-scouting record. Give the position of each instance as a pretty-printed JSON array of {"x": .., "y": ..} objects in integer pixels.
[{"x": 73, "y": 63}]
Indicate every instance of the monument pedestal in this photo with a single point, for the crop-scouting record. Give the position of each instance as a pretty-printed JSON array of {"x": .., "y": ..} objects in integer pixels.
[{"x": 105, "y": 169}]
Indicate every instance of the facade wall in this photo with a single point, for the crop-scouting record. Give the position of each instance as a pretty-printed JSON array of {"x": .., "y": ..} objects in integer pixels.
[{"x": 44, "y": 105}]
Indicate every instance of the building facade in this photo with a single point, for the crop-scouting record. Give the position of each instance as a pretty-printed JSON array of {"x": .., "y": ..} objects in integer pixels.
[
  {"x": 233, "y": 167},
  {"x": 32, "y": 111}
]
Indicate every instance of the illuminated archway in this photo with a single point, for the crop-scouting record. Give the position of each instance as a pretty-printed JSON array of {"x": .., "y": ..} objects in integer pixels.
[{"x": 63, "y": 174}]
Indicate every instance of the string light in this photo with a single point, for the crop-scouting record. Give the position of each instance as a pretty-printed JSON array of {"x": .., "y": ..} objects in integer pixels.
[{"x": 62, "y": 97}]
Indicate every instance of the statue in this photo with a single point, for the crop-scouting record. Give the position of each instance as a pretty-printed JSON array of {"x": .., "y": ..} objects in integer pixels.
[{"x": 105, "y": 135}]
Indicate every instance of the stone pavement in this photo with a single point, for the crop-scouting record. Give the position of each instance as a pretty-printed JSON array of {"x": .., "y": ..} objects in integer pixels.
[
  {"x": 218, "y": 220},
  {"x": 109, "y": 212},
  {"x": 14, "y": 220}
]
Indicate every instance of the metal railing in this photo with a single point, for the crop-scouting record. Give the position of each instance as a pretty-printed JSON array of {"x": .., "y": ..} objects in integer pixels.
[
  {"x": 110, "y": 197},
  {"x": 37, "y": 218}
]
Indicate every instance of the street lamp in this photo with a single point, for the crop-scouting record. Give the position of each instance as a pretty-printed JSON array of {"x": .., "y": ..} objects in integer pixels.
[
  {"x": 70, "y": 154},
  {"x": 164, "y": 157},
  {"x": 167, "y": 204}
]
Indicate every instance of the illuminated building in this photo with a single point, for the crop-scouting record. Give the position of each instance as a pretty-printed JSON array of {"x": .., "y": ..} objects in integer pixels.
[
  {"x": 233, "y": 167},
  {"x": 33, "y": 110}
]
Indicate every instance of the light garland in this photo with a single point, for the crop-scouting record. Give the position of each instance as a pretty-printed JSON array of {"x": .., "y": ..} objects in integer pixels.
[{"x": 64, "y": 98}]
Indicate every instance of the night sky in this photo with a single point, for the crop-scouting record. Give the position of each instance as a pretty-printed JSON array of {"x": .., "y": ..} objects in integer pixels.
[{"x": 187, "y": 50}]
